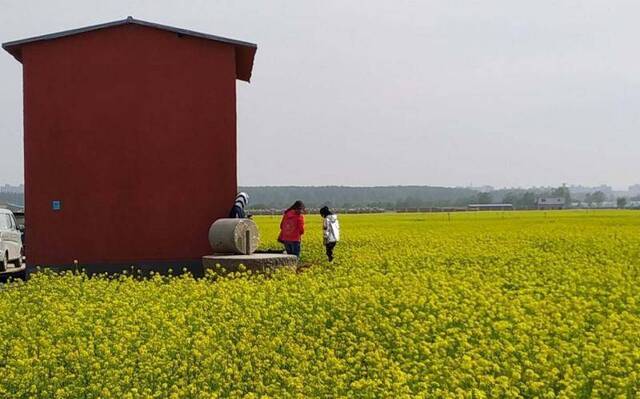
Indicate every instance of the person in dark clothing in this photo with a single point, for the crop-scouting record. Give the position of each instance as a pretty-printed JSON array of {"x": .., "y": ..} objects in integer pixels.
[
  {"x": 330, "y": 231},
  {"x": 237, "y": 211}
]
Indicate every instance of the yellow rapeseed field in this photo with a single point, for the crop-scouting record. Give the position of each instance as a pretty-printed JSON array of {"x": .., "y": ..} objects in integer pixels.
[{"x": 471, "y": 305}]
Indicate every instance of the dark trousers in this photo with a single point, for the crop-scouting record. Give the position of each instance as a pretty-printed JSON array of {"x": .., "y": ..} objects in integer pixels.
[
  {"x": 237, "y": 212},
  {"x": 292, "y": 247},
  {"x": 329, "y": 247}
]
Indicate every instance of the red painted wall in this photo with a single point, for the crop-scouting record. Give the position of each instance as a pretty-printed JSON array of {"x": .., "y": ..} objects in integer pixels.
[{"x": 133, "y": 129}]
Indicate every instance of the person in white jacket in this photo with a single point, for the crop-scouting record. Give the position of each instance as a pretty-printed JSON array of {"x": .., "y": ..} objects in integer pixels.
[{"x": 330, "y": 230}]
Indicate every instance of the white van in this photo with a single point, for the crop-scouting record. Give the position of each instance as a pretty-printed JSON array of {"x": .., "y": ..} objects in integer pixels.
[{"x": 10, "y": 241}]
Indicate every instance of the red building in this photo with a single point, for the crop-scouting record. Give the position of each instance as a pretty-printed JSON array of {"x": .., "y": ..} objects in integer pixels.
[{"x": 129, "y": 141}]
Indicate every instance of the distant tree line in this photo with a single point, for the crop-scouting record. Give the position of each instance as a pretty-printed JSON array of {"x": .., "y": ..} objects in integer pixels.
[
  {"x": 527, "y": 198},
  {"x": 412, "y": 197},
  {"x": 396, "y": 197},
  {"x": 389, "y": 197}
]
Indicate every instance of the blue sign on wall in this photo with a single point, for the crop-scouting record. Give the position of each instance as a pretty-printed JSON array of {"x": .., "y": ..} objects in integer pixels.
[{"x": 56, "y": 205}]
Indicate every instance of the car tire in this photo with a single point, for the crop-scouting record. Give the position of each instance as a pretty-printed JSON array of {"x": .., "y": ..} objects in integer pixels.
[
  {"x": 18, "y": 262},
  {"x": 5, "y": 262}
]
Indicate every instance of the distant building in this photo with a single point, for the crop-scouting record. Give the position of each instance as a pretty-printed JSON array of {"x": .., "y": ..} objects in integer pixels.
[
  {"x": 7, "y": 188},
  {"x": 490, "y": 207},
  {"x": 635, "y": 189},
  {"x": 551, "y": 203}
]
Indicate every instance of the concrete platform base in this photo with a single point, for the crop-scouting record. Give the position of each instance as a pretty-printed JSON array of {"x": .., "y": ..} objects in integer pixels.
[{"x": 256, "y": 262}]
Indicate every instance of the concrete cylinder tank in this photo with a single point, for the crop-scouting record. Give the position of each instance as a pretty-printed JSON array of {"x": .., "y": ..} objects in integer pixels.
[{"x": 234, "y": 236}]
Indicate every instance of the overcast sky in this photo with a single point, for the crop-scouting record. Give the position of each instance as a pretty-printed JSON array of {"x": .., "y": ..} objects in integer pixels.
[{"x": 499, "y": 92}]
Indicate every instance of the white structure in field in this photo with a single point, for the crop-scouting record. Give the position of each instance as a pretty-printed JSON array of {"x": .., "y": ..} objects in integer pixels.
[{"x": 550, "y": 203}]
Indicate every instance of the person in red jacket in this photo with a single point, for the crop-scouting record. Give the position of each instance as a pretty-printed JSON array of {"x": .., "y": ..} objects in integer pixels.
[{"x": 292, "y": 228}]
